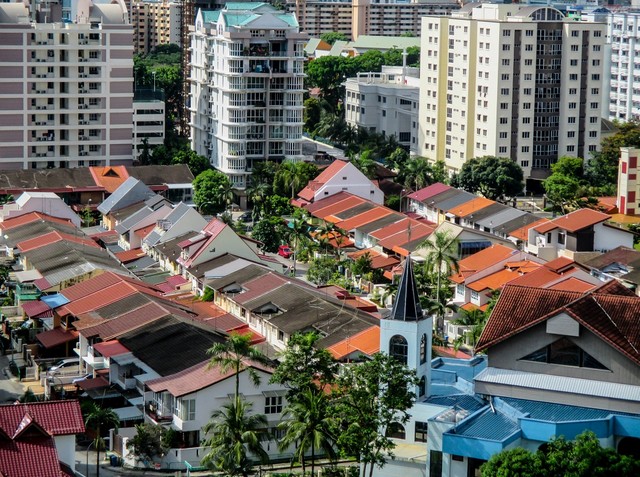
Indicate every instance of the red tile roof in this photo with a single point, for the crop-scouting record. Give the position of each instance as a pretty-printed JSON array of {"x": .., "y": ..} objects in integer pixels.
[
  {"x": 58, "y": 418},
  {"x": 366, "y": 342},
  {"x": 195, "y": 378},
  {"x": 474, "y": 205},
  {"x": 574, "y": 221},
  {"x": 394, "y": 228},
  {"x": 110, "y": 329},
  {"x": 226, "y": 322},
  {"x": 259, "y": 286},
  {"x": 378, "y": 260},
  {"x": 573, "y": 284},
  {"x": 326, "y": 175},
  {"x": 109, "y": 177},
  {"x": 13, "y": 222},
  {"x": 497, "y": 280},
  {"x": 523, "y": 232},
  {"x": 130, "y": 255},
  {"x": 327, "y": 201},
  {"x": 418, "y": 230},
  {"x": 144, "y": 231},
  {"x": 610, "y": 312},
  {"x": 56, "y": 337},
  {"x": 36, "y": 456},
  {"x": 52, "y": 237},
  {"x": 93, "y": 285},
  {"x": 110, "y": 348},
  {"x": 327, "y": 213},
  {"x": 35, "y": 308},
  {"x": 364, "y": 218},
  {"x": 107, "y": 295},
  {"x": 481, "y": 260},
  {"x": 429, "y": 191}
]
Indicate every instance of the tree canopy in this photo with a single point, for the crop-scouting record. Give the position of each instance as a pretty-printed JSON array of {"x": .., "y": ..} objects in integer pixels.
[
  {"x": 209, "y": 188},
  {"x": 583, "y": 457},
  {"x": 496, "y": 178},
  {"x": 332, "y": 36},
  {"x": 602, "y": 169},
  {"x": 563, "y": 185}
]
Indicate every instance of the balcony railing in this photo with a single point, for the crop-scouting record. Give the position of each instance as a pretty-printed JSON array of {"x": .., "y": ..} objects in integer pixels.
[{"x": 158, "y": 412}]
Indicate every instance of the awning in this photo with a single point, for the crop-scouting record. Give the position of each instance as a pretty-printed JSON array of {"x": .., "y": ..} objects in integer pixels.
[
  {"x": 481, "y": 244},
  {"x": 56, "y": 337},
  {"x": 55, "y": 300},
  {"x": 130, "y": 413},
  {"x": 110, "y": 348},
  {"x": 93, "y": 383},
  {"x": 37, "y": 309}
]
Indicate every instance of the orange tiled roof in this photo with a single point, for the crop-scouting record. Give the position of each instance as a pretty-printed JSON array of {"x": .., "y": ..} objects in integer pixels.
[
  {"x": 367, "y": 342},
  {"x": 495, "y": 281},
  {"x": 573, "y": 284},
  {"x": 364, "y": 218},
  {"x": 378, "y": 260},
  {"x": 109, "y": 177},
  {"x": 13, "y": 222},
  {"x": 52, "y": 237},
  {"x": 130, "y": 255},
  {"x": 144, "y": 231},
  {"x": 475, "y": 204},
  {"x": 481, "y": 260},
  {"x": 309, "y": 191},
  {"x": 523, "y": 232},
  {"x": 574, "y": 221}
]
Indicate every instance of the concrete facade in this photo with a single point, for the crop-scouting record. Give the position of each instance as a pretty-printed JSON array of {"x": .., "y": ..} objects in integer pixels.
[
  {"x": 65, "y": 88},
  {"x": 155, "y": 23}
]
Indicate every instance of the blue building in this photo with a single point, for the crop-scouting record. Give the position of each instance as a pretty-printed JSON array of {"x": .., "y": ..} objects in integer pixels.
[{"x": 557, "y": 363}]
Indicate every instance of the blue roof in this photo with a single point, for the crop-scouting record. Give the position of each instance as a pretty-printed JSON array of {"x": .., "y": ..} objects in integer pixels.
[
  {"x": 464, "y": 402},
  {"x": 550, "y": 412},
  {"x": 55, "y": 301},
  {"x": 210, "y": 16},
  {"x": 489, "y": 425},
  {"x": 466, "y": 369}
]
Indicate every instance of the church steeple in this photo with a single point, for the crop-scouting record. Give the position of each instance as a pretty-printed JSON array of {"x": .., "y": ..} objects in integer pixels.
[{"x": 406, "y": 306}]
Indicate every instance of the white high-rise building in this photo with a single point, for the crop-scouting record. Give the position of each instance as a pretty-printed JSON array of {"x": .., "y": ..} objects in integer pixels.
[
  {"x": 509, "y": 80},
  {"x": 247, "y": 85},
  {"x": 66, "y": 88}
]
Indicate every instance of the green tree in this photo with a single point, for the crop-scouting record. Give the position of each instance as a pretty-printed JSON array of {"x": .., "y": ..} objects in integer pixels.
[
  {"x": 257, "y": 192},
  {"x": 370, "y": 61},
  {"x": 277, "y": 206},
  {"x": 312, "y": 114},
  {"x": 369, "y": 398},
  {"x": 332, "y": 36},
  {"x": 207, "y": 186},
  {"x": 496, "y": 178},
  {"x": 232, "y": 432},
  {"x": 298, "y": 232},
  {"x": 144, "y": 158},
  {"x": 321, "y": 270},
  {"x": 99, "y": 419},
  {"x": 583, "y": 457},
  {"x": 303, "y": 364},
  {"x": 264, "y": 172},
  {"x": 292, "y": 177},
  {"x": 271, "y": 232},
  {"x": 309, "y": 425},
  {"x": 417, "y": 173},
  {"x": 329, "y": 73},
  {"x": 149, "y": 441},
  {"x": 197, "y": 163},
  {"x": 366, "y": 164},
  {"x": 439, "y": 172},
  {"x": 564, "y": 184},
  {"x": 602, "y": 169},
  {"x": 236, "y": 354},
  {"x": 474, "y": 320},
  {"x": 397, "y": 160},
  {"x": 441, "y": 260},
  {"x": 169, "y": 79}
]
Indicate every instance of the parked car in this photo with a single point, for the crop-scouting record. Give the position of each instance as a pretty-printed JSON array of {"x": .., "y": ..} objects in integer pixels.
[
  {"x": 82, "y": 378},
  {"x": 246, "y": 217},
  {"x": 64, "y": 365},
  {"x": 284, "y": 251}
]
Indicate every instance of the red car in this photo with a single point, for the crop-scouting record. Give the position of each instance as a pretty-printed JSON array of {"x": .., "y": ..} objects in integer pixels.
[{"x": 284, "y": 251}]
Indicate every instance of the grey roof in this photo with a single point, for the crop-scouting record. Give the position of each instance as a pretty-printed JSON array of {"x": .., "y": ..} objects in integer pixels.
[
  {"x": 487, "y": 211},
  {"x": 380, "y": 223},
  {"x": 406, "y": 306},
  {"x": 157, "y": 175},
  {"x": 170, "y": 248},
  {"x": 563, "y": 384},
  {"x": 44, "y": 179},
  {"x": 451, "y": 198},
  {"x": 151, "y": 206},
  {"x": 122, "y": 306},
  {"x": 223, "y": 264},
  {"x": 499, "y": 218},
  {"x": 519, "y": 222},
  {"x": 185, "y": 343},
  {"x": 141, "y": 264},
  {"x": 130, "y": 192},
  {"x": 357, "y": 210},
  {"x": 35, "y": 229},
  {"x": 241, "y": 276},
  {"x": 174, "y": 219}
]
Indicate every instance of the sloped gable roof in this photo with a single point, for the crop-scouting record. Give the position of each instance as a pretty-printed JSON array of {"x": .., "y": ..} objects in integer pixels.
[
  {"x": 129, "y": 192},
  {"x": 611, "y": 312}
]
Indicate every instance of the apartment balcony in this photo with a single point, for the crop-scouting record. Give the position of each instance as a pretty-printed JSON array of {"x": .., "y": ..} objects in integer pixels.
[
  {"x": 236, "y": 164},
  {"x": 96, "y": 362},
  {"x": 157, "y": 412}
]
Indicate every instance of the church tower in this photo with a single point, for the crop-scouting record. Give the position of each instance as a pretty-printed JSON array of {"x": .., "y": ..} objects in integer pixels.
[{"x": 406, "y": 332}]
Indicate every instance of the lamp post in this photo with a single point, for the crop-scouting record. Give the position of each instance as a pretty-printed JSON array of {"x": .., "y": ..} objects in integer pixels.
[
  {"x": 154, "y": 81},
  {"x": 88, "y": 448}
]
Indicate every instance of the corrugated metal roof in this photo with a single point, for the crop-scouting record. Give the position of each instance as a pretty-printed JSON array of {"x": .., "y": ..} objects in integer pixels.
[
  {"x": 550, "y": 412},
  {"x": 501, "y": 217},
  {"x": 131, "y": 191},
  {"x": 488, "y": 425},
  {"x": 563, "y": 384},
  {"x": 464, "y": 402}
]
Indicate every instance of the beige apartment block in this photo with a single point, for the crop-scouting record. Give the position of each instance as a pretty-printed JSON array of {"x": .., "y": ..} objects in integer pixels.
[
  {"x": 155, "y": 23},
  {"x": 65, "y": 87},
  {"x": 509, "y": 80}
]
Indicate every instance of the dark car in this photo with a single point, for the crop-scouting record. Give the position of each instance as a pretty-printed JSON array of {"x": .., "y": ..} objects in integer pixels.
[{"x": 246, "y": 217}]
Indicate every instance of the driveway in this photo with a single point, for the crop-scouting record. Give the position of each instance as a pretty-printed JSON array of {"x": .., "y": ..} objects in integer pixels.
[{"x": 10, "y": 388}]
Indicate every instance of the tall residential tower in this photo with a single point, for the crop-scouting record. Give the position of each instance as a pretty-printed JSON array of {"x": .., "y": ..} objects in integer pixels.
[
  {"x": 247, "y": 85},
  {"x": 509, "y": 80}
]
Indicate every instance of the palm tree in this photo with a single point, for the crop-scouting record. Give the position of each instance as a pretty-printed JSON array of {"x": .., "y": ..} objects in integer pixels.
[
  {"x": 231, "y": 355},
  {"x": 474, "y": 320},
  {"x": 232, "y": 431},
  {"x": 257, "y": 192},
  {"x": 365, "y": 164},
  {"x": 291, "y": 177},
  {"x": 224, "y": 195},
  {"x": 309, "y": 426},
  {"x": 441, "y": 259},
  {"x": 417, "y": 173},
  {"x": 298, "y": 231},
  {"x": 99, "y": 418}
]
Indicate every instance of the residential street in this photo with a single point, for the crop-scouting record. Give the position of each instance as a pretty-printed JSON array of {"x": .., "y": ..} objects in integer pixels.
[{"x": 10, "y": 390}]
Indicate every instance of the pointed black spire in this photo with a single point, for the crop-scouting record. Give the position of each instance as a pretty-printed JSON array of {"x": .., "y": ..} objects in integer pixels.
[{"x": 406, "y": 306}]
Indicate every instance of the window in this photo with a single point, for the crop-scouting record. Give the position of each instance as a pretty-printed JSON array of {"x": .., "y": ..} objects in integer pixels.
[
  {"x": 421, "y": 432},
  {"x": 422, "y": 387},
  {"x": 273, "y": 404},
  {"x": 564, "y": 352},
  {"x": 503, "y": 135},
  {"x": 398, "y": 348},
  {"x": 435, "y": 463},
  {"x": 504, "y": 120},
  {"x": 562, "y": 237},
  {"x": 423, "y": 349},
  {"x": 186, "y": 409},
  {"x": 396, "y": 431},
  {"x": 475, "y": 295}
]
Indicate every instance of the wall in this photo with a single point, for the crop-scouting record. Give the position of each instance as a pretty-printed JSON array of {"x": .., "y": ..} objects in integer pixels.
[
  {"x": 66, "y": 447},
  {"x": 608, "y": 237}
]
